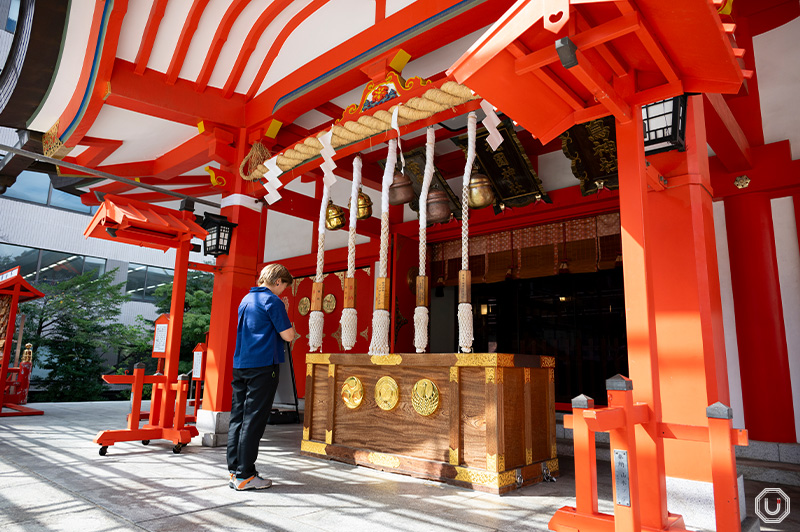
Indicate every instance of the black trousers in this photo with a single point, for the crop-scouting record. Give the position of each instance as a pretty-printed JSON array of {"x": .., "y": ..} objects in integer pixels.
[{"x": 253, "y": 393}]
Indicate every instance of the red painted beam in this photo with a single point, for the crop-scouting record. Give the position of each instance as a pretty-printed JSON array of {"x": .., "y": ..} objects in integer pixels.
[
  {"x": 150, "y": 94},
  {"x": 568, "y": 203},
  {"x": 157, "y": 197},
  {"x": 185, "y": 39},
  {"x": 220, "y": 37},
  {"x": 149, "y": 37},
  {"x": 262, "y": 23},
  {"x": 307, "y": 208},
  {"x": 331, "y": 109},
  {"x": 262, "y": 107},
  {"x": 96, "y": 153},
  {"x": 725, "y": 135},
  {"x": 773, "y": 173}
]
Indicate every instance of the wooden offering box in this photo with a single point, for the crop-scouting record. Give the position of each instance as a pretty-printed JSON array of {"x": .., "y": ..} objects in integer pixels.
[{"x": 480, "y": 420}]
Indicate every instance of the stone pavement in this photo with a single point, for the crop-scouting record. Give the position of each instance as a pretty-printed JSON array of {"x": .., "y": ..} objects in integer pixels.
[{"x": 52, "y": 478}]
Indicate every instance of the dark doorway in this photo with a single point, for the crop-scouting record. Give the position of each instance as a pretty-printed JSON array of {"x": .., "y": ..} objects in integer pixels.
[{"x": 577, "y": 318}]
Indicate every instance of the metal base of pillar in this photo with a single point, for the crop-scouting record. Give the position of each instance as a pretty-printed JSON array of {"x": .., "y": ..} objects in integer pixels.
[{"x": 213, "y": 427}]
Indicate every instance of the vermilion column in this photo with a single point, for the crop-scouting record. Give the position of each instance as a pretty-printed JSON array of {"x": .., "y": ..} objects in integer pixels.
[
  {"x": 760, "y": 331},
  {"x": 691, "y": 341},
  {"x": 238, "y": 272}
]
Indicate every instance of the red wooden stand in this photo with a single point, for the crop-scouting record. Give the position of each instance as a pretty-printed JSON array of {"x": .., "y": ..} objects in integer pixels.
[
  {"x": 14, "y": 290},
  {"x": 135, "y": 222}
]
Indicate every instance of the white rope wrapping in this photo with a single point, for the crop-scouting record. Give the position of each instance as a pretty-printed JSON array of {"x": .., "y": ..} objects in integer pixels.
[
  {"x": 421, "y": 313},
  {"x": 379, "y": 345},
  {"x": 465, "y": 332},
  {"x": 316, "y": 320},
  {"x": 349, "y": 319},
  {"x": 465, "y": 327}
]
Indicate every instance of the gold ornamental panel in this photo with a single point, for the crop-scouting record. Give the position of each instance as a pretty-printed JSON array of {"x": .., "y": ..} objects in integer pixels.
[
  {"x": 304, "y": 306},
  {"x": 384, "y": 460},
  {"x": 313, "y": 447},
  {"x": 329, "y": 303},
  {"x": 386, "y": 360},
  {"x": 387, "y": 393},
  {"x": 425, "y": 397},
  {"x": 352, "y": 392}
]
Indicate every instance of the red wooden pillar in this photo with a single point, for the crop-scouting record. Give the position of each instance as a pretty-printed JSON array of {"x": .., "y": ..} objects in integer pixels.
[
  {"x": 237, "y": 274},
  {"x": 691, "y": 342},
  {"x": 640, "y": 317},
  {"x": 760, "y": 331}
]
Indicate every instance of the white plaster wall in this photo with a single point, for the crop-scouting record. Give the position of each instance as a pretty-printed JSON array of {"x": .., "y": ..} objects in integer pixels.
[
  {"x": 728, "y": 316},
  {"x": 788, "y": 256},
  {"x": 286, "y": 237}
]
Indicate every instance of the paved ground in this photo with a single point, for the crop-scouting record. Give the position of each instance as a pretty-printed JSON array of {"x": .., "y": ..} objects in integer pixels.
[{"x": 52, "y": 478}]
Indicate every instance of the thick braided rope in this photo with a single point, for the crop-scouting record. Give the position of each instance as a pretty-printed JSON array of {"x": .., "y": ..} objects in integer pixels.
[
  {"x": 421, "y": 312},
  {"x": 316, "y": 320},
  {"x": 349, "y": 319},
  {"x": 380, "y": 318},
  {"x": 465, "y": 331}
]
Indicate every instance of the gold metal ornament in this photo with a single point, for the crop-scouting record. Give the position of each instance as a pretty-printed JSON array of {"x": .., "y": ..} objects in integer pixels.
[
  {"x": 425, "y": 397},
  {"x": 480, "y": 192},
  {"x": 329, "y": 303},
  {"x": 334, "y": 217},
  {"x": 352, "y": 392},
  {"x": 401, "y": 190},
  {"x": 387, "y": 393},
  {"x": 364, "y": 206},
  {"x": 304, "y": 306}
]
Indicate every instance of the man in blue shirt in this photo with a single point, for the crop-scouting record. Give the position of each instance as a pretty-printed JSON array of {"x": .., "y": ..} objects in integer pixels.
[{"x": 262, "y": 328}]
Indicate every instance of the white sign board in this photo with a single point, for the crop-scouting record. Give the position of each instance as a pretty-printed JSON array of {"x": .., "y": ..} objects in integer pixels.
[
  {"x": 160, "y": 342},
  {"x": 197, "y": 367},
  {"x": 13, "y": 272}
]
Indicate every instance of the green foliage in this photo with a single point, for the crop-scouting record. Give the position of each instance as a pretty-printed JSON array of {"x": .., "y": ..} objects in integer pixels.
[
  {"x": 197, "y": 309},
  {"x": 71, "y": 326}
]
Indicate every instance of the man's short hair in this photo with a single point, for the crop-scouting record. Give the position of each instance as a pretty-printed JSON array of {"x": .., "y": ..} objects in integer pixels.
[{"x": 272, "y": 273}]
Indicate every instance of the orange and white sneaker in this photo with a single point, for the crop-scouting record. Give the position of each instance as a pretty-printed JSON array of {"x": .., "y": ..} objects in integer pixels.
[
  {"x": 232, "y": 480},
  {"x": 253, "y": 483}
]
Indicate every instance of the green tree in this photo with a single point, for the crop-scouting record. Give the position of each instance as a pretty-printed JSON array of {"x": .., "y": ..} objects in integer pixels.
[
  {"x": 71, "y": 326},
  {"x": 197, "y": 308}
]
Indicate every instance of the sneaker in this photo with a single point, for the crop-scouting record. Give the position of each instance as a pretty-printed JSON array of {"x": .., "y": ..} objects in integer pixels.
[
  {"x": 232, "y": 481},
  {"x": 253, "y": 483}
]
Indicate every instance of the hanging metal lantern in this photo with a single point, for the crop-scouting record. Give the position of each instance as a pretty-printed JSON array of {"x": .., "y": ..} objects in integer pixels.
[
  {"x": 401, "y": 190},
  {"x": 364, "y": 206},
  {"x": 334, "y": 217},
  {"x": 218, "y": 239},
  {"x": 480, "y": 192},
  {"x": 438, "y": 206}
]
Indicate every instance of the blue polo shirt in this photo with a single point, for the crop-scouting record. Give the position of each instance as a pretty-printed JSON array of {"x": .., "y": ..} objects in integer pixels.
[{"x": 262, "y": 316}]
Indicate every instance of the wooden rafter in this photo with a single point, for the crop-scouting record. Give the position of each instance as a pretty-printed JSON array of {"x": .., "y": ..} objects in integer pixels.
[
  {"x": 279, "y": 41},
  {"x": 185, "y": 39},
  {"x": 149, "y": 37},
  {"x": 262, "y": 23},
  {"x": 220, "y": 37}
]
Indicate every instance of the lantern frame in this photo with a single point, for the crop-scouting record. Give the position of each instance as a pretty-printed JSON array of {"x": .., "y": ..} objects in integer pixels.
[{"x": 220, "y": 232}]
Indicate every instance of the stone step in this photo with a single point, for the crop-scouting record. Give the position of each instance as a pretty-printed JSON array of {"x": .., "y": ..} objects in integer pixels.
[{"x": 769, "y": 471}]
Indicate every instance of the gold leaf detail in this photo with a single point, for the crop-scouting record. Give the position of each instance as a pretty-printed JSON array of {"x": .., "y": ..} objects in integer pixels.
[
  {"x": 384, "y": 460},
  {"x": 453, "y": 456},
  {"x": 425, "y": 397},
  {"x": 305, "y": 432},
  {"x": 328, "y": 436},
  {"x": 318, "y": 358},
  {"x": 527, "y": 375},
  {"x": 309, "y": 369},
  {"x": 453, "y": 374},
  {"x": 553, "y": 450},
  {"x": 551, "y": 375},
  {"x": 548, "y": 362},
  {"x": 386, "y": 360},
  {"x": 485, "y": 359},
  {"x": 486, "y": 478},
  {"x": 352, "y": 392},
  {"x": 528, "y": 456},
  {"x": 387, "y": 393},
  {"x": 331, "y": 370},
  {"x": 489, "y": 375},
  {"x": 313, "y": 447},
  {"x": 552, "y": 465}
]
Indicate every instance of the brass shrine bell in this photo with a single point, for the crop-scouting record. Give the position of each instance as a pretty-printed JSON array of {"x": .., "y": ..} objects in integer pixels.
[
  {"x": 364, "y": 206},
  {"x": 480, "y": 192},
  {"x": 334, "y": 217},
  {"x": 401, "y": 190},
  {"x": 438, "y": 206}
]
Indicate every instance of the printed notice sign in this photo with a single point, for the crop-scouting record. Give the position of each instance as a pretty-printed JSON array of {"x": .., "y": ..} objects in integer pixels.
[
  {"x": 198, "y": 364},
  {"x": 160, "y": 342}
]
